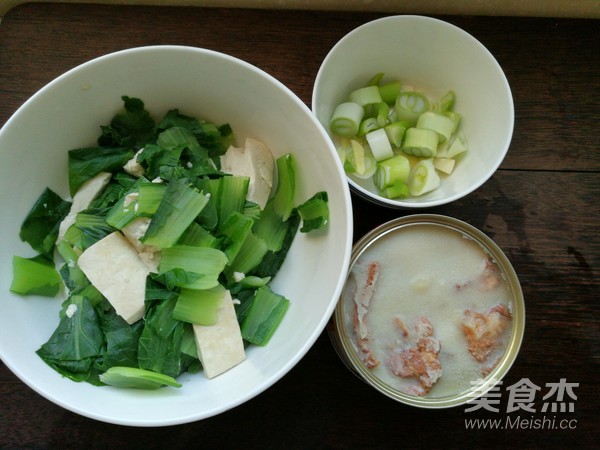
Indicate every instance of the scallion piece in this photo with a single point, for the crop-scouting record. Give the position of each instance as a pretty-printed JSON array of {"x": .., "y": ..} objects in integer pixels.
[
  {"x": 365, "y": 96},
  {"x": 420, "y": 142},
  {"x": 389, "y": 92},
  {"x": 346, "y": 119},
  {"x": 410, "y": 105},
  {"x": 447, "y": 101},
  {"x": 367, "y": 125},
  {"x": 376, "y": 79},
  {"x": 458, "y": 146},
  {"x": 397, "y": 190},
  {"x": 391, "y": 171},
  {"x": 440, "y": 123},
  {"x": 395, "y": 132},
  {"x": 455, "y": 119},
  {"x": 423, "y": 178},
  {"x": 383, "y": 113},
  {"x": 379, "y": 144},
  {"x": 35, "y": 276}
]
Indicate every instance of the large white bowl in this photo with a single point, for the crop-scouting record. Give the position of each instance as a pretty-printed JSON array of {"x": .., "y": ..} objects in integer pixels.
[
  {"x": 436, "y": 57},
  {"x": 66, "y": 114}
]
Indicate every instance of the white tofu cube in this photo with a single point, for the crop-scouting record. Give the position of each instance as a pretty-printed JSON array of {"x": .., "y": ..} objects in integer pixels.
[
  {"x": 113, "y": 266},
  {"x": 220, "y": 346},
  {"x": 255, "y": 161}
]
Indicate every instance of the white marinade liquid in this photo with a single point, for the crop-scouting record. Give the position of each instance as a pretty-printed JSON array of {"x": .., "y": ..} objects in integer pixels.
[{"x": 432, "y": 272}]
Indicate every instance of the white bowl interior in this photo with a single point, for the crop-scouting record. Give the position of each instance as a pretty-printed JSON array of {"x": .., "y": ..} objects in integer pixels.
[
  {"x": 66, "y": 114},
  {"x": 434, "y": 56}
]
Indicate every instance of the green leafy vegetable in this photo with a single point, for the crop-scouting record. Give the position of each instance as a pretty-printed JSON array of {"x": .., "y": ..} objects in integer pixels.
[
  {"x": 130, "y": 377},
  {"x": 40, "y": 227},
  {"x": 314, "y": 212},
  {"x": 264, "y": 315},
  {"x": 199, "y": 238},
  {"x": 35, "y": 276}
]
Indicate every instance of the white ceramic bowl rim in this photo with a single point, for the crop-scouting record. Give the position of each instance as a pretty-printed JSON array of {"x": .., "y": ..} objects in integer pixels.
[
  {"x": 16, "y": 365},
  {"x": 375, "y": 198}
]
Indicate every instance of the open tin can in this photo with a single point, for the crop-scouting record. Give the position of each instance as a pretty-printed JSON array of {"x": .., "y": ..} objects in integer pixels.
[{"x": 432, "y": 313}]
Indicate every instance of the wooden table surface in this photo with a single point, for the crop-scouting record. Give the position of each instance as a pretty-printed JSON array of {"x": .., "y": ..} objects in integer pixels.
[{"x": 541, "y": 208}]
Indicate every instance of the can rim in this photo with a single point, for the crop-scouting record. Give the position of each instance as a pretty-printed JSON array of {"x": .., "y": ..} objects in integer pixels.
[{"x": 343, "y": 345}]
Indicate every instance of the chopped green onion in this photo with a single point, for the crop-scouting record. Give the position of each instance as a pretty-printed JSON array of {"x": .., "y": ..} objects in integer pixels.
[
  {"x": 455, "y": 117},
  {"x": 420, "y": 142},
  {"x": 365, "y": 96},
  {"x": 133, "y": 377},
  {"x": 447, "y": 101},
  {"x": 382, "y": 114},
  {"x": 376, "y": 79},
  {"x": 445, "y": 165},
  {"x": 346, "y": 119},
  {"x": 410, "y": 105},
  {"x": 35, "y": 276},
  {"x": 390, "y": 91},
  {"x": 397, "y": 190},
  {"x": 440, "y": 123},
  {"x": 423, "y": 178},
  {"x": 395, "y": 132},
  {"x": 458, "y": 146},
  {"x": 379, "y": 144},
  {"x": 391, "y": 171},
  {"x": 367, "y": 125}
]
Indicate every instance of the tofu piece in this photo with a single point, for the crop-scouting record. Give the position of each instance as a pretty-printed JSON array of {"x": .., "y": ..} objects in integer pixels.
[
  {"x": 113, "y": 266},
  {"x": 255, "y": 161},
  {"x": 220, "y": 346},
  {"x": 133, "y": 232},
  {"x": 86, "y": 194}
]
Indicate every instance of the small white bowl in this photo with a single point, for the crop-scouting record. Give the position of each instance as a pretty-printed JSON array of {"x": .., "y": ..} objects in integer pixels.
[
  {"x": 66, "y": 114},
  {"x": 434, "y": 56}
]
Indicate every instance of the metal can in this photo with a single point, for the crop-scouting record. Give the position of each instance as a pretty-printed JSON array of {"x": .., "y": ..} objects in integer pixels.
[{"x": 344, "y": 336}]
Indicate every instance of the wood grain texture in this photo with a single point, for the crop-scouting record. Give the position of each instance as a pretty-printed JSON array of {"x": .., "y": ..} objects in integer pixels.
[{"x": 541, "y": 208}]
